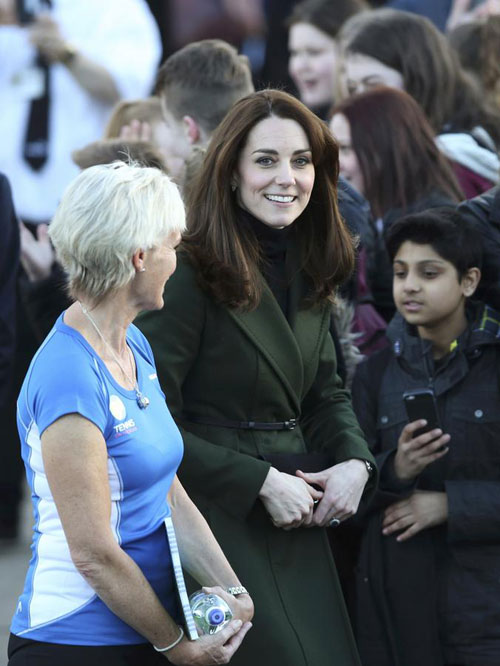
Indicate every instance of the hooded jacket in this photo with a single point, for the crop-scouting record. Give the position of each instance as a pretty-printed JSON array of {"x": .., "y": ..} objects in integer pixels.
[
  {"x": 434, "y": 599},
  {"x": 483, "y": 212}
]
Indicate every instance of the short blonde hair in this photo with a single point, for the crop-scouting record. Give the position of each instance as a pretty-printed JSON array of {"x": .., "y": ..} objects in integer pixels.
[{"x": 105, "y": 215}]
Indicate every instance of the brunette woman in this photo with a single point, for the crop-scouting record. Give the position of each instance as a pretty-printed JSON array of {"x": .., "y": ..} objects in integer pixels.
[
  {"x": 388, "y": 153},
  {"x": 314, "y": 50},
  {"x": 406, "y": 51},
  {"x": 248, "y": 367},
  {"x": 477, "y": 44}
]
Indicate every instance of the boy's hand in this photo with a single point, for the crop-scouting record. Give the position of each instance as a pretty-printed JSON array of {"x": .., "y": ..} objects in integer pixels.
[
  {"x": 415, "y": 453},
  {"x": 421, "y": 510}
]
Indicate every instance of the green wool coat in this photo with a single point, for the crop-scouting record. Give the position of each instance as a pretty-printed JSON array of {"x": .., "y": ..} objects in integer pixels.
[{"x": 225, "y": 364}]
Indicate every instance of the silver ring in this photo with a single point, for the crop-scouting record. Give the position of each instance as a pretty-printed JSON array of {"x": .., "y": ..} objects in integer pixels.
[{"x": 334, "y": 522}]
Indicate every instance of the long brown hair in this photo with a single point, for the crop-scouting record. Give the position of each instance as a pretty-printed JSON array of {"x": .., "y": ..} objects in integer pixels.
[
  {"x": 477, "y": 44},
  {"x": 430, "y": 68},
  {"x": 395, "y": 147},
  {"x": 225, "y": 251}
]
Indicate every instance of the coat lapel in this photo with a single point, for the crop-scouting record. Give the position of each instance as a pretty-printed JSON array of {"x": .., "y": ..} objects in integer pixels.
[
  {"x": 290, "y": 348},
  {"x": 308, "y": 326},
  {"x": 267, "y": 328}
]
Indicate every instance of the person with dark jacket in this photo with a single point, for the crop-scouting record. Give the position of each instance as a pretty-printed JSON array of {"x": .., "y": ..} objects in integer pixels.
[
  {"x": 10, "y": 468},
  {"x": 483, "y": 212},
  {"x": 429, "y": 566},
  {"x": 9, "y": 260}
]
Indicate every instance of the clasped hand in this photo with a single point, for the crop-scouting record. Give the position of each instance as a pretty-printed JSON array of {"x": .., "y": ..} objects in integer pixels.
[
  {"x": 290, "y": 500},
  {"x": 212, "y": 649},
  {"x": 342, "y": 486},
  {"x": 241, "y": 605},
  {"x": 219, "y": 647}
]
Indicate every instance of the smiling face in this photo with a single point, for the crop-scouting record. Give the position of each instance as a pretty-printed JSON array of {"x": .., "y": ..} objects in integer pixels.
[
  {"x": 348, "y": 161},
  {"x": 312, "y": 64},
  {"x": 427, "y": 290},
  {"x": 360, "y": 73},
  {"x": 275, "y": 173}
]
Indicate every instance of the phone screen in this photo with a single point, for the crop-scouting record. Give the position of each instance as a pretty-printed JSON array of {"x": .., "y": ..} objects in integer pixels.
[{"x": 421, "y": 404}]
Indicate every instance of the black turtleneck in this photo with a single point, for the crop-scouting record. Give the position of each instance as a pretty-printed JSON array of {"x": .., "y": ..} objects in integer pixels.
[{"x": 273, "y": 245}]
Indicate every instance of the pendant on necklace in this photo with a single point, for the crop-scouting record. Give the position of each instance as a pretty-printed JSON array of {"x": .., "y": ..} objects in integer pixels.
[{"x": 142, "y": 400}]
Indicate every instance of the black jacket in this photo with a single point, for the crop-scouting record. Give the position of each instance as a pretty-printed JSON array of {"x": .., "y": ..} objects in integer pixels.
[
  {"x": 44, "y": 300},
  {"x": 435, "y": 598},
  {"x": 9, "y": 262},
  {"x": 484, "y": 213}
]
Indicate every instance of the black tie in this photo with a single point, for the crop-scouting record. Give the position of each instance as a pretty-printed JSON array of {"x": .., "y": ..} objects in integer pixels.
[{"x": 36, "y": 140}]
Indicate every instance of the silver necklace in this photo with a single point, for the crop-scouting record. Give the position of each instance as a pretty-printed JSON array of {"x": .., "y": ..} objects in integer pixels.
[{"x": 142, "y": 400}]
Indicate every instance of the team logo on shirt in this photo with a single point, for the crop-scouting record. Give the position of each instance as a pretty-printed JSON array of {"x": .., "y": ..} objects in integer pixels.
[{"x": 117, "y": 408}]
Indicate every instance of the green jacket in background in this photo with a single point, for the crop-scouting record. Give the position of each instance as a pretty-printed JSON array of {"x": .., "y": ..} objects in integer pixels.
[{"x": 229, "y": 365}]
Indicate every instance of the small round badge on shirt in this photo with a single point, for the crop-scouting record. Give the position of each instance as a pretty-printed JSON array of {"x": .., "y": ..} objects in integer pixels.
[{"x": 117, "y": 408}]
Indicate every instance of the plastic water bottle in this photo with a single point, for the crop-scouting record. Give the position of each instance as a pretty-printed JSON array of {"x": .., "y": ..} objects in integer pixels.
[{"x": 210, "y": 612}]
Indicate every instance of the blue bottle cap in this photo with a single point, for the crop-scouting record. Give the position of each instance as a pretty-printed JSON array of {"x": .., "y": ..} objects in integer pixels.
[{"x": 215, "y": 616}]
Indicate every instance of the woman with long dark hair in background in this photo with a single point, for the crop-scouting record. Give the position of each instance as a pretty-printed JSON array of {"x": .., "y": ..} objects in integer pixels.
[
  {"x": 388, "y": 153},
  {"x": 406, "y": 51},
  {"x": 314, "y": 49}
]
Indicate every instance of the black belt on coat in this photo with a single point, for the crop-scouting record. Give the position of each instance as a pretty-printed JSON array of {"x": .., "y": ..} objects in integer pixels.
[{"x": 242, "y": 425}]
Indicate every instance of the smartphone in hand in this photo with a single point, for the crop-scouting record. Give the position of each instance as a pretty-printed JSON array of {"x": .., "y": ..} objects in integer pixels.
[{"x": 421, "y": 404}]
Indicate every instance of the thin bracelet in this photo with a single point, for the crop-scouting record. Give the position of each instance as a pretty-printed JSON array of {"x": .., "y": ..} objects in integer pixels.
[{"x": 172, "y": 645}]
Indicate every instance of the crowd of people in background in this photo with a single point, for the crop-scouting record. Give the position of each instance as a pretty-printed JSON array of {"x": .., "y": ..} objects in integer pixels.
[{"x": 338, "y": 162}]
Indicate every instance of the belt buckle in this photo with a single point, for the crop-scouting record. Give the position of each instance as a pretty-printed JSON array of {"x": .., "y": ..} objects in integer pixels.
[{"x": 290, "y": 424}]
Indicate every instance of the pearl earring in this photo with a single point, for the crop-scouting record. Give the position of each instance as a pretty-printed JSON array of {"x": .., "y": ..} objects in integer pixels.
[{"x": 142, "y": 270}]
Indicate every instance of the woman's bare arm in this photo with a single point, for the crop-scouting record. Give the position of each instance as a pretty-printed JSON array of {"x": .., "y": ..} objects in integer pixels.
[{"x": 75, "y": 460}]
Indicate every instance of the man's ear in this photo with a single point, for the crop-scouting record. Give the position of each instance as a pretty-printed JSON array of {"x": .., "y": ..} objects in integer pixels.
[
  {"x": 470, "y": 281},
  {"x": 192, "y": 129}
]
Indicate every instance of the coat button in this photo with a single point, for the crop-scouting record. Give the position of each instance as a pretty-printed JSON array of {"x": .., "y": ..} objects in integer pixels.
[
  {"x": 478, "y": 413},
  {"x": 384, "y": 419}
]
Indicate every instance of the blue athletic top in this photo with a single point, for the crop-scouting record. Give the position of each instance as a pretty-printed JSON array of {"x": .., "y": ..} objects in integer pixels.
[{"x": 144, "y": 450}]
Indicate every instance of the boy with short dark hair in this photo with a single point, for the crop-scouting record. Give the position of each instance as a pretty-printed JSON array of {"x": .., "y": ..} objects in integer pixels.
[{"x": 429, "y": 564}]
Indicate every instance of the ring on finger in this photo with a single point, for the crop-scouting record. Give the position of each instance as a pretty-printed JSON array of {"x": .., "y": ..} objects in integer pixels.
[{"x": 334, "y": 522}]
